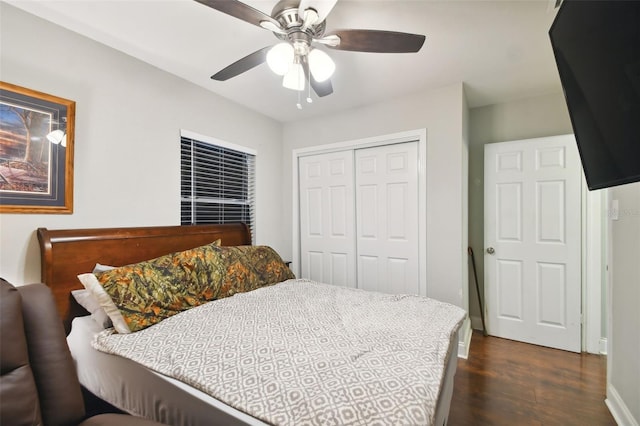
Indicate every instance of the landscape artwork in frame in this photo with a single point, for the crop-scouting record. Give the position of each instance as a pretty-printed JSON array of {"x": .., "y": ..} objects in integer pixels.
[{"x": 36, "y": 151}]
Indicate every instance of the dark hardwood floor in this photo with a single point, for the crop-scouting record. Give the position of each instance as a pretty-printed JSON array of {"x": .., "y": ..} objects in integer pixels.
[{"x": 511, "y": 383}]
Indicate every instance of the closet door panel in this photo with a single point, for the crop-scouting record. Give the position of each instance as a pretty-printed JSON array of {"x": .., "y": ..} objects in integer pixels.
[
  {"x": 399, "y": 270},
  {"x": 359, "y": 218},
  {"x": 338, "y": 267},
  {"x": 327, "y": 223},
  {"x": 368, "y": 273},
  {"x": 314, "y": 211},
  {"x": 386, "y": 185},
  {"x": 397, "y": 214},
  {"x": 315, "y": 266},
  {"x": 368, "y": 202}
]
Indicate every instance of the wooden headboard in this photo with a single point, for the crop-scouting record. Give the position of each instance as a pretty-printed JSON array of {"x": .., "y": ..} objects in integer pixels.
[{"x": 66, "y": 253}]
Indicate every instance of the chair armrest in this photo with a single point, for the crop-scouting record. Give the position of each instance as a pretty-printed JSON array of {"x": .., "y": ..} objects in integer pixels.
[{"x": 53, "y": 368}]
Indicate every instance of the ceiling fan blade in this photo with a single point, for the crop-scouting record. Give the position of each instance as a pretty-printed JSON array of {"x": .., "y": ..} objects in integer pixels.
[
  {"x": 321, "y": 88},
  {"x": 241, "y": 11},
  {"x": 323, "y": 7},
  {"x": 242, "y": 65},
  {"x": 377, "y": 41}
]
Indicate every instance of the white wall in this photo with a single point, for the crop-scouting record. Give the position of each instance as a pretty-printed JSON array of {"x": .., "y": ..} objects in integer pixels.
[
  {"x": 441, "y": 112},
  {"x": 128, "y": 120},
  {"x": 623, "y": 375}
]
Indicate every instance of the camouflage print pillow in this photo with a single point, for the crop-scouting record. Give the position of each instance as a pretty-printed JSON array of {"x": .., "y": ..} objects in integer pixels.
[
  {"x": 250, "y": 267},
  {"x": 145, "y": 293},
  {"x": 142, "y": 294}
]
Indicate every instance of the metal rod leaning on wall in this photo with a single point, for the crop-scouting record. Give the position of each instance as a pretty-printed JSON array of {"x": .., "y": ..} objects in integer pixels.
[{"x": 475, "y": 275}]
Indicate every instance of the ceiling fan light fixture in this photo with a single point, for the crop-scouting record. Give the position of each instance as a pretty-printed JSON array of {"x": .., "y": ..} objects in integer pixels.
[
  {"x": 294, "y": 78},
  {"x": 302, "y": 23},
  {"x": 321, "y": 65},
  {"x": 280, "y": 58}
]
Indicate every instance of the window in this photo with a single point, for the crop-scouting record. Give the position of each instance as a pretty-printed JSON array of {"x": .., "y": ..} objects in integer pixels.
[{"x": 217, "y": 182}]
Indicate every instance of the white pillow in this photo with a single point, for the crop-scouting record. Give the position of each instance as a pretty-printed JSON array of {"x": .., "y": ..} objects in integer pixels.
[
  {"x": 102, "y": 268},
  {"x": 87, "y": 301},
  {"x": 91, "y": 283}
]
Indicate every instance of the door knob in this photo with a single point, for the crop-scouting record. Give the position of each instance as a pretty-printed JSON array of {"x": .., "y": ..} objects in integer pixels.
[{"x": 490, "y": 250}]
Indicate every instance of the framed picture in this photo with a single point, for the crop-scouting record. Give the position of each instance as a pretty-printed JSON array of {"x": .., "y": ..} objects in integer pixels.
[{"x": 36, "y": 151}]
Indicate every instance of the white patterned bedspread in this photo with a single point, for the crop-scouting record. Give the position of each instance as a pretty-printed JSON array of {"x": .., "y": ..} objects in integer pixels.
[{"x": 306, "y": 353}]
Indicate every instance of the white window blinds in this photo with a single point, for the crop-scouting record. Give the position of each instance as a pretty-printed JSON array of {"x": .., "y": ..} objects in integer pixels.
[{"x": 217, "y": 182}]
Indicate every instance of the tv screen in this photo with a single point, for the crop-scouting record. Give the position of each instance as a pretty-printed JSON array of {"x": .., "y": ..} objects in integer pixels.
[{"x": 597, "y": 51}]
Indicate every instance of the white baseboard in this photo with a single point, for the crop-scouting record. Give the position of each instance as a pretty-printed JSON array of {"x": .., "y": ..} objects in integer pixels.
[
  {"x": 618, "y": 409},
  {"x": 464, "y": 340},
  {"x": 603, "y": 346},
  {"x": 476, "y": 322}
]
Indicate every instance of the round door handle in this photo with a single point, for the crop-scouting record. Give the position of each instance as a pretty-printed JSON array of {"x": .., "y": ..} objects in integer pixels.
[{"x": 490, "y": 250}]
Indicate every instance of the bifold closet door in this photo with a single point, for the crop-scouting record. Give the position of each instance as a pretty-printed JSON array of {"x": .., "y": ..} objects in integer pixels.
[
  {"x": 327, "y": 220},
  {"x": 386, "y": 187}
]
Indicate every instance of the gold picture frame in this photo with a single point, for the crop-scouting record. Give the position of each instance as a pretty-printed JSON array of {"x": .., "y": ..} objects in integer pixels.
[{"x": 36, "y": 151}]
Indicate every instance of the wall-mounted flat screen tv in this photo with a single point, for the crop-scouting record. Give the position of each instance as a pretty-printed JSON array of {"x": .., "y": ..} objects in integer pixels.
[{"x": 597, "y": 50}]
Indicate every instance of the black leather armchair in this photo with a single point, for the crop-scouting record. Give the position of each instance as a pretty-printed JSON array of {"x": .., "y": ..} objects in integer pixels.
[{"x": 38, "y": 381}]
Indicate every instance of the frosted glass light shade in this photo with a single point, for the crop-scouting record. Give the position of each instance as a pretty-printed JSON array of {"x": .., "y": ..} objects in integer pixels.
[
  {"x": 294, "y": 79},
  {"x": 321, "y": 65},
  {"x": 280, "y": 58}
]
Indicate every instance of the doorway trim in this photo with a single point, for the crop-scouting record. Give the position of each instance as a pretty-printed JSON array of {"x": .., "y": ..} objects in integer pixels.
[{"x": 594, "y": 281}]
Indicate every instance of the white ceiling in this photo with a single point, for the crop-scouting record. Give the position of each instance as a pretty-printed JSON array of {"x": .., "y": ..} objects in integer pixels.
[{"x": 499, "y": 49}]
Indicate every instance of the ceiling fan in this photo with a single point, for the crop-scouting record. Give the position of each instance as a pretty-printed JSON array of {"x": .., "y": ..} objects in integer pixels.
[{"x": 300, "y": 24}]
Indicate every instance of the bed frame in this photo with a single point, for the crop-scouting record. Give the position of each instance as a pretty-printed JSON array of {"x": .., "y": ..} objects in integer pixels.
[
  {"x": 66, "y": 253},
  {"x": 69, "y": 252}
]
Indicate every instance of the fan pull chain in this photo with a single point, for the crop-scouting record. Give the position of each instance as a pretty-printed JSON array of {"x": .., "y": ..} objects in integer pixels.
[{"x": 299, "y": 104}]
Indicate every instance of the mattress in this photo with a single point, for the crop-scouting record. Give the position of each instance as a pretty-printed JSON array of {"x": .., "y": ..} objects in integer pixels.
[
  {"x": 139, "y": 391},
  {"x": 339, "y": 323}
]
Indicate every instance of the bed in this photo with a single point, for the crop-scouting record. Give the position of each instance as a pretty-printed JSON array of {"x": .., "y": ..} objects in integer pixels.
[{"x": 144, "y": 373}]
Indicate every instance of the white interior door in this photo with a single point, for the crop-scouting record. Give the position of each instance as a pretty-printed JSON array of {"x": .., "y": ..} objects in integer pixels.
[
  {"x": 387, "y": 218},
  {"x": 327, "y": 222},
  {"x": 533, "y": 241}
]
